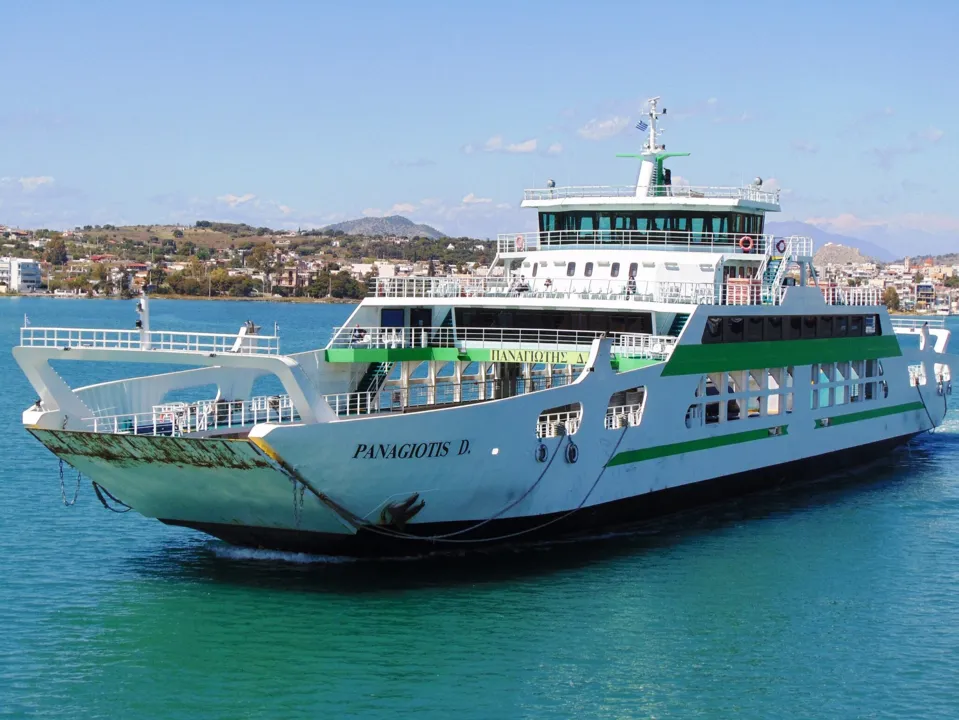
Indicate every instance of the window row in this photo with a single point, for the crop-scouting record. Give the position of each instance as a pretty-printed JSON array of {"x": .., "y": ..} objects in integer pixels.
[
  {"x": 789, "y": 327},
  {"x": 730, "y": 396},
  {"x": 842, "y": 383},
  {"x": 696, "y": 222}
]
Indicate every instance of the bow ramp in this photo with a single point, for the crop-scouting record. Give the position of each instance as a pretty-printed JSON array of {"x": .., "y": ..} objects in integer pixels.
[{"x": 176, "y": 477}]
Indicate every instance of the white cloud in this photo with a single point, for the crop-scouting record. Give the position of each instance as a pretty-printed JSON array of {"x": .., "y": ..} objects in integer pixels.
[
  {"x": 849, "y": 223},
  {"x": 494, "y": 143},
  {"x": 399, "y": 208},
  {"x": 471, "y": 199},
  {"x": 932, "y": 135},
  {"x": 554, "y": 149},
  {"x": 29, "y": 184},
  {"x": 234, "y": 200},
  {"x": 468, "y": 149},
  {"x": 503, "y": 206},
  {"x": 601, "y": 129},
  {"x": 372, "y": 212},
  {"x": 527, "y": 146},
  {"x": 285, "y": 209}
]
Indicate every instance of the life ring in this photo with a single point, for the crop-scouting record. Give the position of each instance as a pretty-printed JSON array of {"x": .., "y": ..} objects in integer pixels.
[
  {"x": 541, "y": 453},
  {"x": 572, "y": 453},
  {"x": 781, "y": 245},
  {"x": 519, "y": 242},
  {"x": 746, "y": 243}
]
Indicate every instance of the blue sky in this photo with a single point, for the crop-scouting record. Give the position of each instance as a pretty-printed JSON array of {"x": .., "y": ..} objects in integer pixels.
[{"x": 304, "y": 113}]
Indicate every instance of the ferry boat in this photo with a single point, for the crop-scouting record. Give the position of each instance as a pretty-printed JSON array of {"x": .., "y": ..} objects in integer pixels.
[{"x": 647, "y": 348}]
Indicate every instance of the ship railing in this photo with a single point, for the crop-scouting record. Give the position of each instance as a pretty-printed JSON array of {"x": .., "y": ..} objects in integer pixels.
[
  {"x": 671, "y": 240},
  {"x": 422, "y": 396},
  {"x": 836, "y": 295},
  {"x": 735, "y": 291},
  {"x": 623, "y": 416},
  {"x": 170, "y": 341},
  {"x": 465, "y": 338},
  {"x": 557, "y": 424},
  {"x": 750, "y": 193},
  {"x": 916, "y": 323},
  {"x": 619, "y": 289},
  {"x": 178, "y": 419}
]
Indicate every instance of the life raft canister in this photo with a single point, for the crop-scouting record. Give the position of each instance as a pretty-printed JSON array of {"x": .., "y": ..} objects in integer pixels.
[
  {"x": 781, "y": 245},
  {"x": 519, "y": 242},
  {"x": 746, "y": 243}
]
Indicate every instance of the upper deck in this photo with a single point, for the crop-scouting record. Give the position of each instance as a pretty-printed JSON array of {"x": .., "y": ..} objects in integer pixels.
[{"x": 650, "y": 195}]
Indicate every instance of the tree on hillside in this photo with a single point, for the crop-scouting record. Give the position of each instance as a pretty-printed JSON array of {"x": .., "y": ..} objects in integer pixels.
[
  {"x": 261, "y": 259},
  {"x": 56, "y": 252},
  {"x": 919, "y": 277},
  {"x": 890, "y": 298}
]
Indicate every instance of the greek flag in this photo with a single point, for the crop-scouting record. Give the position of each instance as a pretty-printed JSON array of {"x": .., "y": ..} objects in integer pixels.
[
  {"x": 641, "y": 126},
  {"x": 26, "y": 320}
]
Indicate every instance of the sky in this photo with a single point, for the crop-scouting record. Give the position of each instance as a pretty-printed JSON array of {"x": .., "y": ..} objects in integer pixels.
[{"x": 301, "y": 114}]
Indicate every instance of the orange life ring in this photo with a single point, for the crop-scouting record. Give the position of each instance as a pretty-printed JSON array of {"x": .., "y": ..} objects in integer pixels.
[
  {"x": 746, "y": 243},
  {"x": 519, "y": 242},
  {"x": 781, "y": 245}
]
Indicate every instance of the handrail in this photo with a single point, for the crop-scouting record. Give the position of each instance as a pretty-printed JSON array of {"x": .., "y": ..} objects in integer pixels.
[
  {"x": 909, "y": 323},
  {"x": 672, "y": 240},
  {"x": 735, "y": 292},
  {"x": 750, "y": 193},
  {"x": 165, "y": 340},
  {"x": 178, "y": 419}
]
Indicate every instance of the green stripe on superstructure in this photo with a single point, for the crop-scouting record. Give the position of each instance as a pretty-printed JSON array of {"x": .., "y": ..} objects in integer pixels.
[
  {"x": 692, "y": 359},
  {"x": 632, "y": 456},
  {"x": 386, "y": 355},
  {"x": 869, "y": 414}
]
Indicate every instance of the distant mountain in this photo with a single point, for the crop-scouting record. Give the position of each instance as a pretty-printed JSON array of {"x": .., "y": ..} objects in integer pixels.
[
  {"x": 395, "y": 225},
  {"x": 822, "y": 237},
  {"x": 832, "y": 254}
]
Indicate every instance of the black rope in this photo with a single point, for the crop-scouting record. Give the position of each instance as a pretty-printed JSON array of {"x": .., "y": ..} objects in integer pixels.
[{"x": 100, "y": 491}]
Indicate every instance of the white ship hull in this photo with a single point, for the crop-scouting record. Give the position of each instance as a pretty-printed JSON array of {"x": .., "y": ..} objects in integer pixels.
[{"x": 324, "y": 487}]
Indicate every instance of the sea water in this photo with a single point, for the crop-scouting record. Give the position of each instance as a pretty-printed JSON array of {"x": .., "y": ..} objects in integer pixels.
[{"x": 839, "y": 599}]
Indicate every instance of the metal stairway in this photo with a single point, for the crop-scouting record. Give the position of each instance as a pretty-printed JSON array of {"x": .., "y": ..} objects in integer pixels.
[{"x": 679, "y": 322}]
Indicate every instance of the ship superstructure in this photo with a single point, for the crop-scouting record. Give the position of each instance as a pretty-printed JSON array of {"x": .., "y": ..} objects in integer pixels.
[{"x": 648, "y": 347}]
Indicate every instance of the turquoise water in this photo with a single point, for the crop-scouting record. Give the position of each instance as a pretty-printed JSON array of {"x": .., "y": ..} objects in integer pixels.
[{"x": 838, "y": 600}]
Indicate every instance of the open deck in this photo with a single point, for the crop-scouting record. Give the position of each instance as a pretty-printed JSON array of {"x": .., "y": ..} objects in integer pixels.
[
  {"x": 671, "y": 240},
  {"x": 572, "y": 192},
  {"x": 622, "y": 290}
]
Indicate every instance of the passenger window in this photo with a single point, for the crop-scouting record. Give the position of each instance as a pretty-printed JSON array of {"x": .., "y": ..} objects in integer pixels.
[
  {"x": 825, "y": 327},
  {"x": 840, "y": 326},
  {"x": 869, "y": 325},
  {"x": 733, "y": 329},
  {"x": 809, "y": 327},
  {"x": 633, "y": 268},
  {"x": 754, "y": 329},
  {"x": 773, "y": 329},
  {"x": 614, "y": 270},
  {"x": 794, "y": 328},
  {"x": 588, "y": 270},
  {"x": 713, "y": 332},
  {"x": 535, "y": 268},
  {"x": 855, "y": 326},
  {"x": 571, "y": 269}
]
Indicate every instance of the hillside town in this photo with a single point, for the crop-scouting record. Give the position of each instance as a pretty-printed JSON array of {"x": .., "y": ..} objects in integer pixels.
[{"x": 212, "y": 259}]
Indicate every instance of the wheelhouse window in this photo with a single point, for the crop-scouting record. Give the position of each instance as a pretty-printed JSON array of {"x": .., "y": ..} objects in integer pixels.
[
  {"x": 570, "y": 269},
  {"x": 588, "y": 270},
  {"x": 614, "y": 270}
]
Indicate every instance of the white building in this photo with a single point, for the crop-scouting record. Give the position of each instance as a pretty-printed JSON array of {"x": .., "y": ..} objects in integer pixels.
[{"x": 20, "y": 274}]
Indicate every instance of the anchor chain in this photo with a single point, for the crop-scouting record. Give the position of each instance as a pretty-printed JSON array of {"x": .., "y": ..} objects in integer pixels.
[
  {"x": 297, "y": 501},
  {"x": 63, "y": 490}
]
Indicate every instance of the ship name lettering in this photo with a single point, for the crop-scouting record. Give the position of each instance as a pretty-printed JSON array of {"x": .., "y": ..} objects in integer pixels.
[
  {"x": 551, "y": 357},
  {"x": 405, "y": 451}
]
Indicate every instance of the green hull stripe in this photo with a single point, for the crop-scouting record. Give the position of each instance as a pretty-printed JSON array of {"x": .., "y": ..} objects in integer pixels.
[
  {"x": 695, "y": 359},
  {"x": 632, "y": 456},
  {"x": 869, "y": 414}
]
